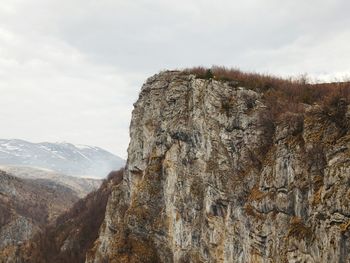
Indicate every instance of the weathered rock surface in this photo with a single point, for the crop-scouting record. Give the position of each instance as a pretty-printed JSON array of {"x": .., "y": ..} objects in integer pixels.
[{"x": 210, "y": 178}]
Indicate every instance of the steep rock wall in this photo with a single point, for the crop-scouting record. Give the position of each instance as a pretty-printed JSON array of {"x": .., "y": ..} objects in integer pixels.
[{"x": 210, "y": 178}]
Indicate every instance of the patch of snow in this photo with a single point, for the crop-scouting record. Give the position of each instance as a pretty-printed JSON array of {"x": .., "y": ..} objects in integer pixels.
[{"x": 82, "y": 147}]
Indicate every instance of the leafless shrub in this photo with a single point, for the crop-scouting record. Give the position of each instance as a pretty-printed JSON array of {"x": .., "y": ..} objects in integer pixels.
[
  {"x": 81, "y": 224},
  {"x": 281, "y": 94}
]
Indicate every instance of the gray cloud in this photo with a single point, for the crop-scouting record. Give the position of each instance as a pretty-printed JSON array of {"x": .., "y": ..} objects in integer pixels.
[{"x": 70, "y": 70}]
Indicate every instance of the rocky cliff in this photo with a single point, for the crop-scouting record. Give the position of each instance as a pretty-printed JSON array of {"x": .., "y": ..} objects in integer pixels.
[{"x": 212, "y": 177}]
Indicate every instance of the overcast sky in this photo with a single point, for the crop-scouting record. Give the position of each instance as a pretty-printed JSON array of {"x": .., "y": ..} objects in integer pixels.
[{"x": 70, "y": 70}]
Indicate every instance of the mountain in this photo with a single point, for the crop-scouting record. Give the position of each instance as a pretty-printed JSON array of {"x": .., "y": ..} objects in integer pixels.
[
  {"x": 27, "y": 205},
  {"x": 223, "y": 166},
  {"x": 31, "y": 199},
  {"x": 66, "y": 158},
  {"x": 73, "y": 234},
  {"x": 80, "y": 186}
]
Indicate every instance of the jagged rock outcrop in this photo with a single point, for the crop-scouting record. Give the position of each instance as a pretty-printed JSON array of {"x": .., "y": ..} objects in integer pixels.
[{"x": 211, "y": 178}]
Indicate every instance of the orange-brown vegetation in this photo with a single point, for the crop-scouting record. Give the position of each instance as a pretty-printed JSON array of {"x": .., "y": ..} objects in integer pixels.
[
  {"x": 5, "y": 212},
  {"x": 75, "y": 231},
  {"x": 286, "y": 99},
  {"x": 33, "y": 199},
  {"x": 256, "y": 194},
  {"x": 280, "y": 94},
  {"x": 250, "y": 211},
  {"x": 344, "y": 227},
  {"x": 298, "y": 230},
  {"x": 133, "y": 249}
]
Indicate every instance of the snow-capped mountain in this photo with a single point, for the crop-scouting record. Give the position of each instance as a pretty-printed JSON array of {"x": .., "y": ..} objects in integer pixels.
[{"x": 66, "y": 158}]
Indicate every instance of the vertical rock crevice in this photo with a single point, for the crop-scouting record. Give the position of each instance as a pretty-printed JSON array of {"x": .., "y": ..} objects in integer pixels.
[{"x": 210, "y": 178}]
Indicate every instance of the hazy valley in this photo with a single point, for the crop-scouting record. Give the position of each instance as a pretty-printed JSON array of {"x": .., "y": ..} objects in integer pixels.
[{"x": 34, "y": 192}]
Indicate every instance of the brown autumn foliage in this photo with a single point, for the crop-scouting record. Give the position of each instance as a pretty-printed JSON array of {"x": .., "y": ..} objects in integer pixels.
[
  {"x": 280, "y": 94},
  {"x": 5, "y": 213},
  {"x": 284, "y": 98},
  {"x": 36, "y": 200},
  {"x": 75, "y": 231}
]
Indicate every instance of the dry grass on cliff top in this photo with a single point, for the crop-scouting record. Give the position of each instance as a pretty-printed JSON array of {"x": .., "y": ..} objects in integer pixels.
[{"x": 282, "y": 94}]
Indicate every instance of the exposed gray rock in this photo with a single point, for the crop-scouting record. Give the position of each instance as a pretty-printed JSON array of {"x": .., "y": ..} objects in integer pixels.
[
  {"x": 17, "y": 231},
  {"x": 210, "y": 179}
]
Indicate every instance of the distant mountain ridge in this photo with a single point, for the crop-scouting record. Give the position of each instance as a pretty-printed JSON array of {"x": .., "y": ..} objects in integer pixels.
[
  {"x": 81, "y": 186},
  {"x": 66, "y": 158}
]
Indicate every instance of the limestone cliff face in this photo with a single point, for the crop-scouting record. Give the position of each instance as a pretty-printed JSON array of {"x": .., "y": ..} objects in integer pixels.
[{"x": 210, "y": 178}]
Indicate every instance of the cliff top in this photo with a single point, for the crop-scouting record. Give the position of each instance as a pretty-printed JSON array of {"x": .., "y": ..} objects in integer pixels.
[{"x": 279, "y": 94}]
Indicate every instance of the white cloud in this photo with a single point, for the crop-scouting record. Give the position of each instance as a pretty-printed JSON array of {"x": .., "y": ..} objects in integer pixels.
[
  {"x": 51, "y": 91},
  {"x": 70, "y": 70}
]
